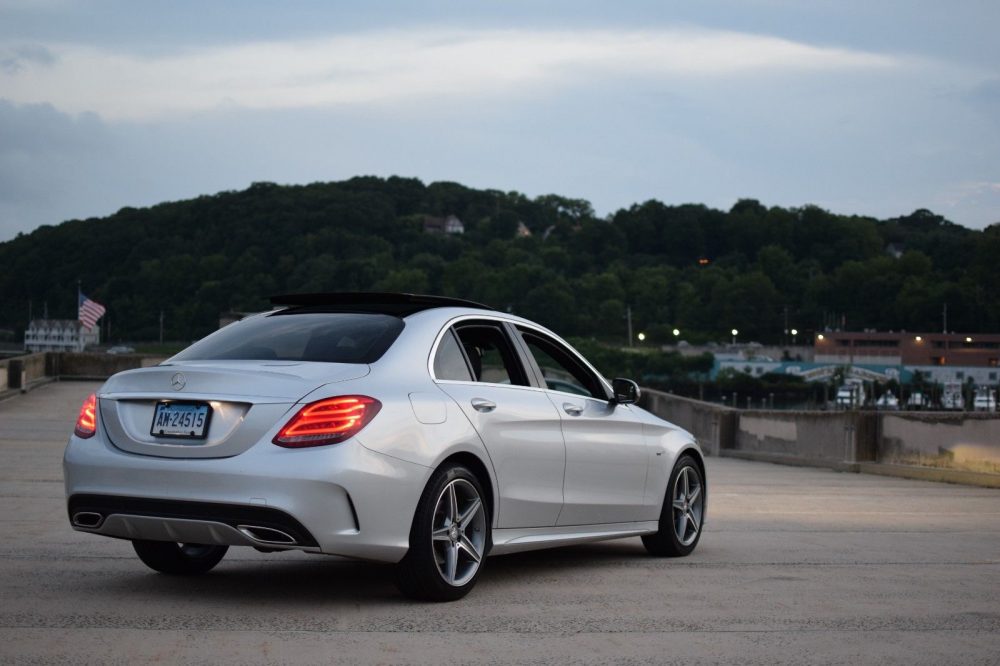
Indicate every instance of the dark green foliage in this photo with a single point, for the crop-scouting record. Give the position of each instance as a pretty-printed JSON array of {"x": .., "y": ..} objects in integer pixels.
[{"x": 576, "y": 273}]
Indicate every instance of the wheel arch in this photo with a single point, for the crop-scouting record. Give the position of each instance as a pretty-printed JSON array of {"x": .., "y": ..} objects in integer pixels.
[{"x": 479, "y": 468}]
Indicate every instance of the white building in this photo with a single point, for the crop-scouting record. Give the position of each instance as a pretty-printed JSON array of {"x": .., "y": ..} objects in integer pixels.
[
  {"x": 66, "y": 335},
  {"x": 443, "y": 225}
]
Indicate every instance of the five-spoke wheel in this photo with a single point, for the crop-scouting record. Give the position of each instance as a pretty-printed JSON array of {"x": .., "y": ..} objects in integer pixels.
[
  {"x": 687, "y": 505},
  {"x": 459, "y": 532},
  {"x": 683, "y": 512},
  {"x": 449, "y": 539}
]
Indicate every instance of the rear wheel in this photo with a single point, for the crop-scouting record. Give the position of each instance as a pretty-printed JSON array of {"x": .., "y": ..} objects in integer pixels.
[
  {"x": 178, "y": 558},
  {"x": 682, "y": 514},
  {"x": 449, "y": 538}
]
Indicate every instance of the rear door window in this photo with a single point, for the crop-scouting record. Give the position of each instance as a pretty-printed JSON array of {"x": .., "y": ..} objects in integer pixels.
[
  {"x": 449, "y": 361},
  {"x": 487, "y": 352}
]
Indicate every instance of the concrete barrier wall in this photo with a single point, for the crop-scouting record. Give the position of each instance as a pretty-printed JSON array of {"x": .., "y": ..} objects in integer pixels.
[
  {"x": 29, "y": 368},
  {"x": 99, "y": 366},
  {"x": 954, "y": 441},
  {"x": 33, "y": 366},
  {"x": 21, "y": 373},
  {"x": 960, "y": 442},
  {"x": 828, "y": 437},
  {"x": 820, "y": 438},
  {"x": 712, "y": 425}
]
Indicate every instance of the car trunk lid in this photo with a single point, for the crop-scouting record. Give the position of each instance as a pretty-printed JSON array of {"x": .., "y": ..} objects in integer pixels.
[{"x": 244, "y": 399}]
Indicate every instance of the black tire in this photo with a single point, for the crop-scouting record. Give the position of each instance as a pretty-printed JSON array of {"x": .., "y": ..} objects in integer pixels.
[
  {"x": 178, "y": 559},
  {"x": 682, "y": 515},
  {"x": 446, "y": 555}
]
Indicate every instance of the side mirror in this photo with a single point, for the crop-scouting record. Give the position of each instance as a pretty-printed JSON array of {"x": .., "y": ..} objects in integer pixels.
[{"x": 626, "y": 391}]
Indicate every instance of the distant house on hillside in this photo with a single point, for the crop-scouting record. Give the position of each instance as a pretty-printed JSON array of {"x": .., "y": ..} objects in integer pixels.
[
  {"x": 443, "y": 225},
  {"x": 895, "y": 250},
  {"x": 522, "y": 230},
  {"x": 61, "y": 335}
]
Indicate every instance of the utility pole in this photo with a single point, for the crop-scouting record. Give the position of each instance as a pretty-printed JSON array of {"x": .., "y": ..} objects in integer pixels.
[
  {"x": 628, "y": 317},
  {"x": 161, "y": 327}
]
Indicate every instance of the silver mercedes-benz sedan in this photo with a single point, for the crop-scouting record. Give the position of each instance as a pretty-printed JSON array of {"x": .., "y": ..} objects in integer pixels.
[{"x": 424, "y": 431}]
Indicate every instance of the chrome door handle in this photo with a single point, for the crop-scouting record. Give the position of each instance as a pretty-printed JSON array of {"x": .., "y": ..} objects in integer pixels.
[
  {"x": 571, "y": 409},
  {"x": 481, "y": 405}
]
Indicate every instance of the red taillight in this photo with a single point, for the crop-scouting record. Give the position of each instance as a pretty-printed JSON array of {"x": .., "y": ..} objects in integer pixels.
[
  {"x": 86, "y": 422},
  {"x": 328, "y": 421}
]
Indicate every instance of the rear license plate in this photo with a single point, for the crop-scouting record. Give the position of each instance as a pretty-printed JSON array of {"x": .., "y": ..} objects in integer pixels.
[{"x": 181, "y": 419}]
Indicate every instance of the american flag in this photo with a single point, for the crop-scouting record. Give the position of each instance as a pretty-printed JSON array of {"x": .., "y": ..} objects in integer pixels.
[{"x": 90, "y": 312}]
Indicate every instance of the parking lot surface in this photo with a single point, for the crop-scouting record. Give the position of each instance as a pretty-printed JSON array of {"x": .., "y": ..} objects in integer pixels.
[{"x": 795, "y": 566}]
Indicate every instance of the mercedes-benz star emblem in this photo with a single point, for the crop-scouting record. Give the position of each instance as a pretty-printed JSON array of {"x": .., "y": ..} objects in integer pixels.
[{"x": 177, "y": 382}]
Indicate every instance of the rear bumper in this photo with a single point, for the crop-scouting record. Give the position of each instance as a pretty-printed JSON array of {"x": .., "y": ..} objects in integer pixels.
[
  {"x": 188, "y": 522},
  {"x": 342, "y": 499}
]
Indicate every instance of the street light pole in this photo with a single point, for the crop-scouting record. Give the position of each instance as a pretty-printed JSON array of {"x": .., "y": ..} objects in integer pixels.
[{"x": 628, "y": 317}]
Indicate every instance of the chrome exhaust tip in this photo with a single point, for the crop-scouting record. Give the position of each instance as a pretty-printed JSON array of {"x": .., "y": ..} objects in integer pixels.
[
  {"x": 267, "y": 535},
  {"x": 88, "y": 519}
]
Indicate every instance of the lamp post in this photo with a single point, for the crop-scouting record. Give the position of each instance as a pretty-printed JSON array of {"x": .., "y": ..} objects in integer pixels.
[
  {"x": 795, "y": 332},
  {"x": 735, "y": 333},
  {"x": 628, "y": 318},
  {"x": 641, "y": 337}
]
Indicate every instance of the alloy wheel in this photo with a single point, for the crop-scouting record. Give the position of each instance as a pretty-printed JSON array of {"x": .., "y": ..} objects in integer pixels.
[
  {"x": 458, "y": 532},
  {"x": 688, "y": 505}
]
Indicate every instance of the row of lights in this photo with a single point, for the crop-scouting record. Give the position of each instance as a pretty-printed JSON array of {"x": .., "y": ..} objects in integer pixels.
[
  {"x": 642, "y": 336},
  {"x": 918, "y": 338}
]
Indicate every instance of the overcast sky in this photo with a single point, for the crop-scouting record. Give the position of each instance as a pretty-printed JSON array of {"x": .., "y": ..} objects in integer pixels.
[{"x": 859, "y": 106}]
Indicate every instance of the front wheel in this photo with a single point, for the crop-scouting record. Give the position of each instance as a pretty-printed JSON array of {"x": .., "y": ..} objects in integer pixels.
[
  {"x": 449, "y": 538},
  {"x": 683, "y": 512},
  {"x": 178, "y": 558}
]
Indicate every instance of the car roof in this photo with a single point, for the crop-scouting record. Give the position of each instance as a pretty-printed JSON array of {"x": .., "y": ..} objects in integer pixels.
[{"x": 382, "y": 302}]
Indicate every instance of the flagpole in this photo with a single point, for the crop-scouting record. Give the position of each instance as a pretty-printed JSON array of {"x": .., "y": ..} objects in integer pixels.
[{"x": 79, "y": 294}]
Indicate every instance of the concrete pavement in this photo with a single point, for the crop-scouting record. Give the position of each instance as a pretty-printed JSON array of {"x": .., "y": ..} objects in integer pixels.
[{"x": 796, "y": 566}]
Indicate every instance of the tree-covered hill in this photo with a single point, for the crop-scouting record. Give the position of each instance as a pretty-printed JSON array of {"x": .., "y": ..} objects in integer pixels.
[{"x": 702, "y": 270}]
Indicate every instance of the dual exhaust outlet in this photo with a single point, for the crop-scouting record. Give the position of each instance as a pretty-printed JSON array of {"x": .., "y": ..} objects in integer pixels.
[
  {"x": 89, "y": 519},
  {"x": 92, "y": 520}
]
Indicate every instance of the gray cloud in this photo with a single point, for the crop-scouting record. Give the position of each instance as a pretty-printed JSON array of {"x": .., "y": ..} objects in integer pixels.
[
  {"x": 417, "y": 63},
  {"x": 16, "y": 59},
  {"x": 48, "y": 162}
]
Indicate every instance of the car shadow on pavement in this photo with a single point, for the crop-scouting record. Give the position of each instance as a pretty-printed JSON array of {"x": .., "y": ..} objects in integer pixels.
[{"x": 303, "y": 579}]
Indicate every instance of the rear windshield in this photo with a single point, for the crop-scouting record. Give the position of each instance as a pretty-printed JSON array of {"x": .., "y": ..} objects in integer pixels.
[{"x": 339, "y": 337}]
